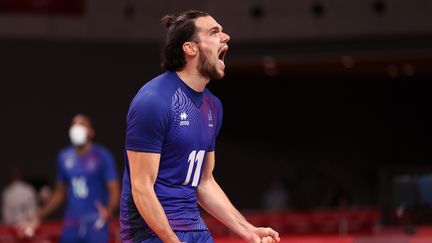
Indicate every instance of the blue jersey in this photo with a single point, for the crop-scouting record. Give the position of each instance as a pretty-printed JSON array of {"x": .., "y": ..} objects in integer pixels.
[
  {"x": 168, "y": 117},
  {"x": 86, "y": 177}
]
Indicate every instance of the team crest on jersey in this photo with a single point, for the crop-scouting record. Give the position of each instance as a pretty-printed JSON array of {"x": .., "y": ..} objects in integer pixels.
[
  {"x": 184, "y": 119},
  {"x": 210, "y": 118},
  {"x": 91, "y": 164}
]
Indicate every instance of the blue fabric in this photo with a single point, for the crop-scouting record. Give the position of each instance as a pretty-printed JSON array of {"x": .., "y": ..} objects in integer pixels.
[
  {"x": 85, "y": 232},
  {"x": 168, "y": 117},
  {"x": 186, "y": 237},
  {"x": 86, "y": 177},
  {"x": 425, "y": 189}
]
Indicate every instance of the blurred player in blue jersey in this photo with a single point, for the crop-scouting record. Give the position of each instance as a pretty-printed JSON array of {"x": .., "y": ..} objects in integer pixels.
[
  {"x": 172, "y": 126},
  {"x": 87, "y": 177}
]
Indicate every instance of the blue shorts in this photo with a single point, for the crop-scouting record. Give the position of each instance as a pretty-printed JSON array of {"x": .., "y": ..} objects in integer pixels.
[
  {"x": 87, "y": 231},
  {"x": 202, "y": 236}
]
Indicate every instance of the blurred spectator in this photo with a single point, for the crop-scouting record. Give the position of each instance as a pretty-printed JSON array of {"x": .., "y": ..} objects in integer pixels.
[
  {"x": 43, "y": 189},
  {"x": 87, "y": 178},
  {"x": 342, "y": 199},
  {"x": 44, "y": 194},
  {"x": 276, "y": 197},
  {"x": 425, "y": 189},
  {"x": 19, "y": 200}
]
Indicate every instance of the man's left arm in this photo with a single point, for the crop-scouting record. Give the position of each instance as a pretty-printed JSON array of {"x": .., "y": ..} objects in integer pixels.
[
  {"x": 213, "y": 199},
  {"x": 106, "y": 211},
  {"x": 114, "y": 196},
  {"x": 111, "y": 180}
]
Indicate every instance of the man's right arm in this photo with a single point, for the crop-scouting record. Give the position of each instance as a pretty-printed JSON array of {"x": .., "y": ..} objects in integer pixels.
[
  {"x": 144, "y": 168},
  {"x": 55, "y": 200},
  {"x": 27, "y": 228}
]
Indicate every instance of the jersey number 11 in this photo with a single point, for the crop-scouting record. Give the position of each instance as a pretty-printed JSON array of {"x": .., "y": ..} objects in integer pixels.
[{"x": 198, "y": 158}]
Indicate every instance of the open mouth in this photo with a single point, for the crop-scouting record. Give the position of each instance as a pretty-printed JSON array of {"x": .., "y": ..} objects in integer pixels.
[{"x": 222, "y": 53}]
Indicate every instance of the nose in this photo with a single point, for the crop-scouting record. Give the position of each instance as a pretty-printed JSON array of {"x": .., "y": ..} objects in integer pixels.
[{"x": 225, "y": 37}]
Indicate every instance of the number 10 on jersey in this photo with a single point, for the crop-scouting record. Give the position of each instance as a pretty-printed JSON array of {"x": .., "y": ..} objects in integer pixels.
[{"x": 194, "y": 158}]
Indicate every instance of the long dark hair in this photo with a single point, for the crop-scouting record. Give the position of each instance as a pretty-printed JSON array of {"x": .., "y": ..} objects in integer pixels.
[{"x": 181, "y": 28}]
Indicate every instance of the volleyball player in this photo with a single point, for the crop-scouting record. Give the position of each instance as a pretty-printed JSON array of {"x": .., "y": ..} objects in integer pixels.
[{"x": 172, "y": 125}]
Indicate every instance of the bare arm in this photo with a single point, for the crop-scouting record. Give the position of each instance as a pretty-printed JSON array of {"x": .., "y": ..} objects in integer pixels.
[
  {"x": 105, "y": 212},
  {"x": 213, "y": 199},
  {"x": 143, "y": 173},
  {"x": 114, "y": 196},
  {"x": 55, "y": 200},
  {"x": 27, "y": 228}
]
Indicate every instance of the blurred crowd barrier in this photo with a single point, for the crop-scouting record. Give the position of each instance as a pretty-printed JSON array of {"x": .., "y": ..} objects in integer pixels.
[
  {"x": 318, "y": 226},
  {"x": 323, "y": 221}
]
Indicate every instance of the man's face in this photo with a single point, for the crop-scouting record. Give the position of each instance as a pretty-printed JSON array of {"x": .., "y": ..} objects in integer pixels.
[
  {"x": 212, "y": 46},
  {"x": 81, "y": 121}
]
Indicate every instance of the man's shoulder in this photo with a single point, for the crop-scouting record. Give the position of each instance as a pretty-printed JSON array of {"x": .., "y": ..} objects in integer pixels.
[
  {"x": 160, "y": 84},
  {"x": 210, "y": 94},
  {"x": 65, "y": 151},
  {"x": 99, "y": 148},
  {"x": 157, "y": 91},
  {"x": 213, "y": 98}
]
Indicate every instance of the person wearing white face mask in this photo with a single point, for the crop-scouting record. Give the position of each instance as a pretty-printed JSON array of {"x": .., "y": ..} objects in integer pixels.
[
  {"x": 87, "y": 177},
  {"x": 78, "y": 135}
]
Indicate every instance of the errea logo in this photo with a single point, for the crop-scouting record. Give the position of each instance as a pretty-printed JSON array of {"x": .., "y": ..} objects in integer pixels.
[{"x": 183, "y": 119}]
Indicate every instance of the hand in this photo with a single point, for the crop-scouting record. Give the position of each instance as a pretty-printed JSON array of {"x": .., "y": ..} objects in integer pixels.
[
  {"x": 27, "y": 229},
  {"x": 104, "y": 214},
  {"x": 267, "y": 239},
  {"x": 264, "y": 235}
]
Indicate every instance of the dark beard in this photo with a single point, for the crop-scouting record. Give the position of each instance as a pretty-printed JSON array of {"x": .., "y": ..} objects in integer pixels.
[{"x": 206, "y": 69}]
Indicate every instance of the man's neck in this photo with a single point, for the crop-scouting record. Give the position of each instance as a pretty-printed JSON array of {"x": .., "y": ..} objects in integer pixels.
[
  {"x": 83, "y": 149},
  {"x": 193, "y": 79}
]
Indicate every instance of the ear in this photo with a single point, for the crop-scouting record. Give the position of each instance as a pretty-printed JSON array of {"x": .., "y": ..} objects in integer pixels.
[
  {"x": 190, "y": 48},
  {"x": 91, "y": 133}
]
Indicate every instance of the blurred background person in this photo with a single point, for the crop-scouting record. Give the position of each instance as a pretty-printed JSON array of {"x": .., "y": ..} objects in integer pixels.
[
  {"x": 44, "y": 194},
  {"x": 276, "y": 196},
  {"x": 19, "y": 199},
  {"x": 87, "y": 177}
]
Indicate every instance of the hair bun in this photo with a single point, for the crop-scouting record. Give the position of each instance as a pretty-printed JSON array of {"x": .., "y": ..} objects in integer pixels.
[{"x": 168, "y": 20}]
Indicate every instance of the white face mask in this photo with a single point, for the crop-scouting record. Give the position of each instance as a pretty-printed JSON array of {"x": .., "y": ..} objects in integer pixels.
[{"x": 78, "y": 134}]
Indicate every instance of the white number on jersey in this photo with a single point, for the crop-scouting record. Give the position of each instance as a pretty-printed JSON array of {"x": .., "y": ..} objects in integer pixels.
[
  {"x": 79, "y": 187},
  {"x": 197, "y": 158}
]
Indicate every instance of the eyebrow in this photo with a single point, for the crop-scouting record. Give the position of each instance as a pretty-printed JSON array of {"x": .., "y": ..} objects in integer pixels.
[{"x": 215, "y": 28}]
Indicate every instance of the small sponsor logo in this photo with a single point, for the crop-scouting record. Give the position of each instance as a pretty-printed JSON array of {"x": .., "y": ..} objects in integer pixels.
[
  {"x": 210, "y": 118},
  {"x": 183, "y": 119}
]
